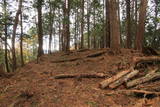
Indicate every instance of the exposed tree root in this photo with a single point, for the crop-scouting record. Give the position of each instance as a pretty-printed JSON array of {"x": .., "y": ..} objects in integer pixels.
[
  {"x": 74, "y": 59},
  {"x": 66, "y": 60},
  {"x": 82, "y": 50},
  {"x": 96, "y": 54}
]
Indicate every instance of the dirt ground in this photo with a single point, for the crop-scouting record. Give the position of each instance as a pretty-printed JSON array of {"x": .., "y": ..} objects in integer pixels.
[{"x": 34, "y": 84}]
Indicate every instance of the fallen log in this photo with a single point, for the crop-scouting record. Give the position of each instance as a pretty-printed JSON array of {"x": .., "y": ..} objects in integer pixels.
[
  {"x": 147, "y": 78},
  {"x": 138, "y": 60},
  {"x": 154, "y": 86},
  {"x": 124, "y": 79},
  {"x": 106, "y": 82},
  {"x": 66, "y": 60},
  {"x": 143, "y": 93},
  {"x": 96, "y": 54},
  {"x": 94, "y": 75}
]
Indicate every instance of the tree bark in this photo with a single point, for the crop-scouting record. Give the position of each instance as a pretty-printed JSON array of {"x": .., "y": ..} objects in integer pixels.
[
  {"x": 141, "y": 25},
  {"x": 114, "y": 25}
]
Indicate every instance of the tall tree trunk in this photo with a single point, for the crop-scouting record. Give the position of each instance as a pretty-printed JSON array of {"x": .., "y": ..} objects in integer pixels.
[
  {"x": 6, "y": 53},
  {"x": 94, "y": 25},
  {"x": 107, "y": 27},
  {"x": 75, "y": 24},
  {"x": 60, "y": 33},
  {"x": 155, "y": 24},
  {"x": 40, "y": 30},
  {"x": 119, "y": 20},
  {"x": 141, "y": 25},
  {"x": 102, "y": 39},
  {"x": 88, "y": 23},
  {"x": 51, "y": 26},
  {"x": 104, "y": 28},
  {"x": 114, "y": 25},
  {"x": 66, "y": 25},
  {"x": 54, "y": 35},
  {"x": 128, "y": 25},
  {"x": 82, "y": 24},
  {"x": 14, "y": 64},
  {"x": 21, "y": 40},
  {"x": 63, "y": 37},
  {"x": 136, "y": 15}
]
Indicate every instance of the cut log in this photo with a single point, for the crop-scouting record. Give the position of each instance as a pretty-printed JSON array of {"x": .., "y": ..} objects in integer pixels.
[
  {"x": 147, "y": 78},
  {"x": 124, "y": 79},
  {"x": 66, "y": 60},
  {"x": 107, "y": 82},
  {"x": 94, "y": 75},
  {"x": 96, "y": 54}
]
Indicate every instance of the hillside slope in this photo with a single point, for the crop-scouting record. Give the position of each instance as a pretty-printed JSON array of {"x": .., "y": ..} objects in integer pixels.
[{"x": 34, "y": 84}]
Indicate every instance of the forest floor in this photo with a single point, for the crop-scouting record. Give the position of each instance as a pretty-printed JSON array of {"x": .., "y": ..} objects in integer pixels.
[{"x": 34, "y": 85}]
